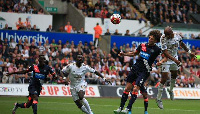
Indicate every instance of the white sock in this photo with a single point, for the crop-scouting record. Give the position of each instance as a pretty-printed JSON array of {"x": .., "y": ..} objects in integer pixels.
[
  {"x": 160, "y": 90},
  {"x": 84, "y": 109},
  {"x": 172, "y": 84},
  {"x": 87, "y": 106}
]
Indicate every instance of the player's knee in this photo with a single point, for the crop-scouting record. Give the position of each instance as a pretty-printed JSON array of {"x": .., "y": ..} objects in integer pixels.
[{"x": 78, "y": 103}]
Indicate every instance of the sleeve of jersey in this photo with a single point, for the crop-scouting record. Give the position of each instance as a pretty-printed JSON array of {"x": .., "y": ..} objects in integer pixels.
[
  {"x": 89, "y": 69},
  {"x": 66, "y": 69},
  {"x": 30, "y": 68},
  {"x": 163, "y": 43},
  {"x": 138, "y": 48},
  {"x": 52, "y": 72}
]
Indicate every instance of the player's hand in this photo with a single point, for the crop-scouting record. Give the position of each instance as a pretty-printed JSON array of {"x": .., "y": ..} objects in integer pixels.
[
  {"x": 192, "y": 55},
  {"x": 66, "y": 83},
  {"x": 121, "y": 54},
  {"x": 158, "y": 64},
  {"x": 105, "y": 80}
]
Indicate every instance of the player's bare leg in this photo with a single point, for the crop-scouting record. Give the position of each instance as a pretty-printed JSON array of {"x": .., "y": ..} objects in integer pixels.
[
  {"x": 172, "y": 83},
  {"x": 160, "y": 90},
  {"x": 79, "y": 102},
  {"x": 124, "y": 97}
]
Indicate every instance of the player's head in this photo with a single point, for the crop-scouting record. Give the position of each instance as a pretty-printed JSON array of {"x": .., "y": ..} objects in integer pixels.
[
  {"x": 154, "y": 36},
  {"x": 41, "y": 59},
  {"x": 168, "y": 32},
  {"x": 79, "y": 59}
]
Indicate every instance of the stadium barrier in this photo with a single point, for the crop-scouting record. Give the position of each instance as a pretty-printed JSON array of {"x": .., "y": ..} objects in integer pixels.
[
  {"x": 121, "y": 40},
  {"x": 95, "y": 91},
  {"x": 117, "y": 91},
  {"x": 47, "y": 90},
  {"x": 43, "y": 36}
]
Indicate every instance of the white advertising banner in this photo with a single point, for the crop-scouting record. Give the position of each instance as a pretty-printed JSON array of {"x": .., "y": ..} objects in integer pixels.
[
  {"x": 41, "y": 21},
  {"x": 131, "y": 25},
  {"x": 185, "y": 93},
  {"x": 47, "y": 90}
]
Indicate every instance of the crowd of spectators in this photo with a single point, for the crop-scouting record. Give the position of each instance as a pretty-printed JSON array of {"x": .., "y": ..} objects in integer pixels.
[
  {"x": 105, "y": 8},
  {"x": 19, "y": 6},
  {"x": 18, "y": 56},
  {"x": 159, "y": 11}
]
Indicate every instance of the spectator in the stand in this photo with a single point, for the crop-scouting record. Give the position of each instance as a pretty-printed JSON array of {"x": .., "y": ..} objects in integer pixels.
[
  {"x": 50, "y": 29},
  {"x": 116, "y": 32},
  {"x": 111, "y": 8},
  {"x": 81, "y": 31},
  {"x": 142, "y": 7},
  {"x": 6, "y": 27},
  {"x": 41, "y": 11},
  {"x": 198, "y": 37},
  {"x": 107, "y": 32},
  {"x": 34, "y": 28},
  {"x": 27, "y": 23},
  {"x": 98, "y": 32},
  {"x": 35, "y": 10},
  {"x": 139, "y": 33},
  {"x": 19, "y": 24},
  {"x": 114, "y": 51},
  {"x": 68, "y": 27},
  {"x": 127, "y": 33},
  {"x": 74, "y": 30},
  {"x": 190, "y": 21}
]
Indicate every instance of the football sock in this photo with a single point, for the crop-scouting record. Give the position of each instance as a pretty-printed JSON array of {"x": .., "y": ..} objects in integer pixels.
[
  {"x": 172, "y": 84},
  {"x": 87, "y": 106},
  {"x": 124, "y": 99},
  {"x": 132, "y": 100},
  {"x": 160, "y": 90},
  {"x": 34, "y": 106},
  {"x": 22, "y": 105},
  {"x": 84, "y": 109},
  {"x": 145, "y": 104}
]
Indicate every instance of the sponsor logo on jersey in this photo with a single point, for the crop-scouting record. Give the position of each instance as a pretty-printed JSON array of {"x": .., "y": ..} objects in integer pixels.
[
  {"x": 144, "y": 55},
  {"x": 39, "y": 76}
]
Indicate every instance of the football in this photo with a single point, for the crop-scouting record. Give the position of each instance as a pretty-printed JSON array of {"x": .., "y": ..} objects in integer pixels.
[{"x": 115, "y": 18}]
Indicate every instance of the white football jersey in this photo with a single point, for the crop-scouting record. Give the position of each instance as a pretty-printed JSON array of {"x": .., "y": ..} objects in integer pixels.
[
  {"x": 171, "y": 44},
  {"x": 76, "y": 74}
]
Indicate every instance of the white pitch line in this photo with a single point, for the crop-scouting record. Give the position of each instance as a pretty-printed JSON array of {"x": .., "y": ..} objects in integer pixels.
[{"x": 42, "y": 102}]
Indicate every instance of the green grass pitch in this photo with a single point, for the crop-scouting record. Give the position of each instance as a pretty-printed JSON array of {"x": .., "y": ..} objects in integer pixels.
[{"x": 65, "y": 105}]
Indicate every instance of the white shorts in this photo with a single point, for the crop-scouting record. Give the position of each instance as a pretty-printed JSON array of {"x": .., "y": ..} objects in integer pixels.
[
  {"x": 74, "y": 90},
  {"x": 166, "y": 67}
]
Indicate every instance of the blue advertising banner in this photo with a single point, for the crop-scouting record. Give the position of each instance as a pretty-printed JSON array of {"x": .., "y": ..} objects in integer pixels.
[
  {"x": 43, "y": 36},
  {"x": 121, "y": 40}
]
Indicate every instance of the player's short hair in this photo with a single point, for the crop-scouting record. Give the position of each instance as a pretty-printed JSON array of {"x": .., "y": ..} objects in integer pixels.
[{"x": 156, "y": 34}]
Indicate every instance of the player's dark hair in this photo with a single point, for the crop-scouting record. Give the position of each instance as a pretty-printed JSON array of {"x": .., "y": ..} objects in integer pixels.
[{"x": 156, "y": 34}]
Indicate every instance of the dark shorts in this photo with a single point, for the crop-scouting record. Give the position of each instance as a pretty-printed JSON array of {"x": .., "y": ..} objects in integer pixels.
[
  {"x": 139, "y": 76},
  {"x": 34, "y": 90}
]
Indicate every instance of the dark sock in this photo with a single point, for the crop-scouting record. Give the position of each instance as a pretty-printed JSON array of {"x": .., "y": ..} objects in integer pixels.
[
  {"x": 145, "y": 104},
  {"x": 131, "y": 101},
  {"x": 22, "y": 105},
  {"x": 34, "y": 106},
  {"x": 124, "y": 99}
]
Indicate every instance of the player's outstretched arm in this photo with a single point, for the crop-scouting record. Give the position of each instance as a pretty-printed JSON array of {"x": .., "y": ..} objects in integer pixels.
[
  {"x": 18, "y": 72},
  {"x": 99, "y": 74},
  {"x": 131, "y": 54}
]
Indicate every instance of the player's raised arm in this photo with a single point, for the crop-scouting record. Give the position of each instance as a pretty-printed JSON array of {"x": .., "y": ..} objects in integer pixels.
[
  {"x": 182, "y": 44},
  {"x": 131, "y": 54}
]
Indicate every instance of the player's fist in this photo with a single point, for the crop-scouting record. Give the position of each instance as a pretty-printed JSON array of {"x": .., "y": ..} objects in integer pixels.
[
  {"x": 192, "y": 55},
  {"x": 158, "y": 64}
]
